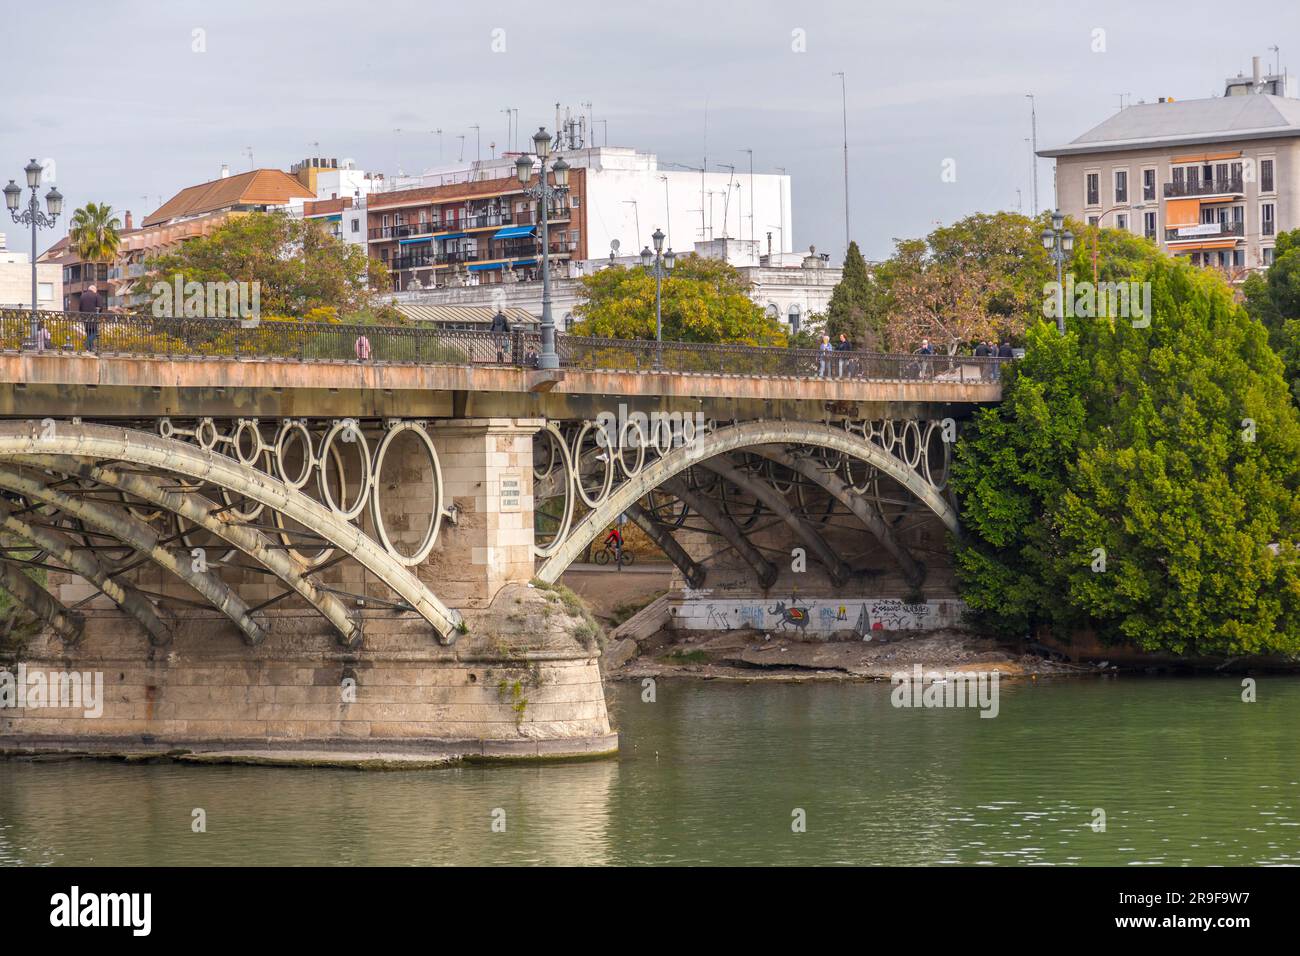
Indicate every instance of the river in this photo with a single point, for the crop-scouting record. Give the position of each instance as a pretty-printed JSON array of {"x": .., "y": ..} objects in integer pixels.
[{"x": 710, "y": 772}]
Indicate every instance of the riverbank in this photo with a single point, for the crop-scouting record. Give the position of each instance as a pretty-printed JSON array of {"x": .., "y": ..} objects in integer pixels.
[{"x": 746, "y": 655}]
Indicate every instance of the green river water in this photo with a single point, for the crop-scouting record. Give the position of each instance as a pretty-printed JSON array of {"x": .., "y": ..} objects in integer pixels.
[{"x": 1185, "y": 772}]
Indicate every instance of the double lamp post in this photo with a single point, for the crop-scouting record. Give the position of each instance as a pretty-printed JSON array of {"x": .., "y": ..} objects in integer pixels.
[
  {"x": 33, "y": 216},
  {"x": 1058, "y": 241},
  {"x": 544, "y": 193}
]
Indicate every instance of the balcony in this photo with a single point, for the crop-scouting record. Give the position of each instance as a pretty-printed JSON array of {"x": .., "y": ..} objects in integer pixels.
[
  {"x": 1229, "y": 186},
  {"x": 1206, "y": 230}
]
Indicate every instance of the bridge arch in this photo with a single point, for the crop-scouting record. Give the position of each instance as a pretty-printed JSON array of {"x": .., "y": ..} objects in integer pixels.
[
  {"x": 109, "y": 443},
  {"x": 732, "y": 438}
]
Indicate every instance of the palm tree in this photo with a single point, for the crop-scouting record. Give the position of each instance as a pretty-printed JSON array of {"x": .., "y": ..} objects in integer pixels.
[{"x": 94, "y": 233}]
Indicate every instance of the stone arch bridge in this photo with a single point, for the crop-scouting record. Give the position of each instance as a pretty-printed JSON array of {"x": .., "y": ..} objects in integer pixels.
[{"x": 247, "y": 534}]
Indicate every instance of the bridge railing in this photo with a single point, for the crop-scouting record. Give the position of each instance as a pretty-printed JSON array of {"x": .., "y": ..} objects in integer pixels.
[{"x": 198, "y": 338}]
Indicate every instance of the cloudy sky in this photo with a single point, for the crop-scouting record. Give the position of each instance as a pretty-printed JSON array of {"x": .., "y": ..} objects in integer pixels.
[{"x": 133, "y": 104}]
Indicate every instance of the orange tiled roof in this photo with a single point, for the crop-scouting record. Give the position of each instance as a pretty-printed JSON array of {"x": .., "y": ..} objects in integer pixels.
[{"x": 270, "y": 187}]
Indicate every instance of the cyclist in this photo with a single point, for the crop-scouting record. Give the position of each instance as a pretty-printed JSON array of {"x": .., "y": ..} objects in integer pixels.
[{"x": 615, "y": 539}]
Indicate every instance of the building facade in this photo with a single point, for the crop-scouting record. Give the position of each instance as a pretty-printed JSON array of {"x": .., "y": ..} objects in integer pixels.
[
  {"x": 1213, "y": 179},
  {"x": 16, "y": 281},
  {"x": 618, "y": 197}
]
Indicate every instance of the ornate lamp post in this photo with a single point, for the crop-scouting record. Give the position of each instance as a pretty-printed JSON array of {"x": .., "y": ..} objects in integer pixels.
[
  {"x": 1058, "y": 241},
  {"x": 33, "y": 216},
  {"x": 662, "y": 262},
  {"x": 544, "y": 193}
]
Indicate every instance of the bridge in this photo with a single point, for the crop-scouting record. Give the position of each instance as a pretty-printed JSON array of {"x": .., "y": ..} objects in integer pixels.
[{"x": 271, "y": 543}]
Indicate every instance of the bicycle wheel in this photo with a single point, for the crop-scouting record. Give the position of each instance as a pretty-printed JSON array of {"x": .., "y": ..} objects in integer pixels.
[
  {"x": 626, "y": 558},
  {"x": 601, "y": 556}
]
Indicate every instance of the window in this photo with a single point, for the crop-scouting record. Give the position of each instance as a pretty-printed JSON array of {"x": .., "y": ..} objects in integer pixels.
[
  {"x": 1268, "y": 255},
  {"x": 1266, "y": 175},
  {"x": 1148, "y": 185},
  {"x": 1149, "y": 225},
  {"x": 1266, "y": 224},
  {"x": 356, "y": 225},
  {"x": 1180, "y": 176},
  {"x": 45, "y": 291},
  {"x": 1121, "y": 185},
  {"x": 1094, "y": 189},
  {"x": 794, "y": 316},
  {"x": 1121, "y": 222},
  {"x": 1092, "y": 220},
  {"x": 1238, "y": 258}
]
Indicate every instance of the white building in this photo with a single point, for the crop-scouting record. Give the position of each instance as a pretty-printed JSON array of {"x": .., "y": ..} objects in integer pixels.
[
  {"x": 789, "y": 286},
  {"x": 16, "y": 281},
  {"x": 630, "y": 195}
]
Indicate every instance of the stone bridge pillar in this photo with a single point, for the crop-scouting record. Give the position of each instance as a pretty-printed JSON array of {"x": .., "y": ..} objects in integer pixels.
[{"x": 487, "y": 473}]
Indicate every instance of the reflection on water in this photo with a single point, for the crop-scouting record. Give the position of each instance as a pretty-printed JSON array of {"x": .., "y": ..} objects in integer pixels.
[{"x": 711, "y": 773}]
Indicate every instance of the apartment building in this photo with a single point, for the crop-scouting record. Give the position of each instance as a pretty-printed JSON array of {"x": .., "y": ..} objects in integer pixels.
[
  {"x": 16, "y": 281},
  {"x": 618, "y": 197},
  {"x": 1212, "y": 179},
  {"x": 471, "y": 233}
]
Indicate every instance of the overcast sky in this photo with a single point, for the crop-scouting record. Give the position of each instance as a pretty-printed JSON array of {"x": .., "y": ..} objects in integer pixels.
[{"x": 115, "y": 93}]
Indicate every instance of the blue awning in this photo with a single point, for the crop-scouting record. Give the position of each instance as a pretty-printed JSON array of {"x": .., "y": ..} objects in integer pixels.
[
  {"x": 524, "y": 262},
  {"x": 484, "y": 266},
  {"x": 513, "y": 232},
  {"x": 409, "y": 242},
  {"x": 452, "y": 235}
]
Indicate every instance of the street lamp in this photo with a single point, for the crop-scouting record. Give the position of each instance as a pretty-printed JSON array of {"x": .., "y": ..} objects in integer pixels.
[
  {"x": 33, "y": 216},
  {"x": 1058, "y": 241},
  {"x": 662, "y": 262},
  {"x": 544, "y": 193}
]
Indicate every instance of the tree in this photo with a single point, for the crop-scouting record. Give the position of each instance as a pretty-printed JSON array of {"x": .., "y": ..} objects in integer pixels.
[
  {"x": 94, "y": 233},
  {"x": 1141, "y": 481},
  {"x": 300, "y": 267},
  {"x": 703, "y": 300},
  {"x": 854, "y": 309},
  {"x": 980, "y": 278}
]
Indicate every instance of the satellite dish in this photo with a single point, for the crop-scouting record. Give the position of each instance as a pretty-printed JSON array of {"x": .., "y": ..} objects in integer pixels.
[{"x": 613, "y": 245}]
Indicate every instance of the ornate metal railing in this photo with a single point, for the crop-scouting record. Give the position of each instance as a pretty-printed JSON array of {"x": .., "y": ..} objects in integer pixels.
[{"x": 200, "y": 338}]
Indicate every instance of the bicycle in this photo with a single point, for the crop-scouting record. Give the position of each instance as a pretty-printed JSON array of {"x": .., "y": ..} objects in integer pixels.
[{"x": 606, "y": 554}]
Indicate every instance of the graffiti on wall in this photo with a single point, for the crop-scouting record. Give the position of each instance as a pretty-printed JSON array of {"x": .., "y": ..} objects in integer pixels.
[{"x": 817, "y": 617}]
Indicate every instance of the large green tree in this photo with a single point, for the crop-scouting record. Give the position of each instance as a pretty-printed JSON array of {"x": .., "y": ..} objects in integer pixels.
[
  {"x": 1140, "y": 481},
  {"x": 301, "y": 268},
  {"x": 703, "y": 300}
]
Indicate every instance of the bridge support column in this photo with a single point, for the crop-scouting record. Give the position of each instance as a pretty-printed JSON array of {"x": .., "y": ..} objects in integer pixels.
[{"x": 487, "y": 474}]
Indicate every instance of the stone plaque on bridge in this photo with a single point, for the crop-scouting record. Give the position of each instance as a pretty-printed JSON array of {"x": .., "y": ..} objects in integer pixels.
[{"x": 512, "y": 490}]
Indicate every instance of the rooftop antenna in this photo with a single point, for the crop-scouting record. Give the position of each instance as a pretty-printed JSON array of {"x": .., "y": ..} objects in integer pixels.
[
  {"x": 637, "y": 212},
  {"x": 668, "y": 212},
  {"x": 438, "y": 133},
  {"x": 478, "y": 143},
  {"x": 461, "y": 158},
  {"x": 509, "y": 140},
  {"x": 1033, "y": 145},
  {"x": 397, "y": 151},
  {"x": 751, "y": 192},
  {"x": 249, "y": 151},
  {"x": 704, "y": 232},
  {"x": 726, "y": 199}
]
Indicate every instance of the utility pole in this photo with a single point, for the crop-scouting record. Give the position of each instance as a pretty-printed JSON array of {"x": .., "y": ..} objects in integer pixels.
[
  {"x": 844, "y": 108},
  {"x": 1033, "y": 146}
]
